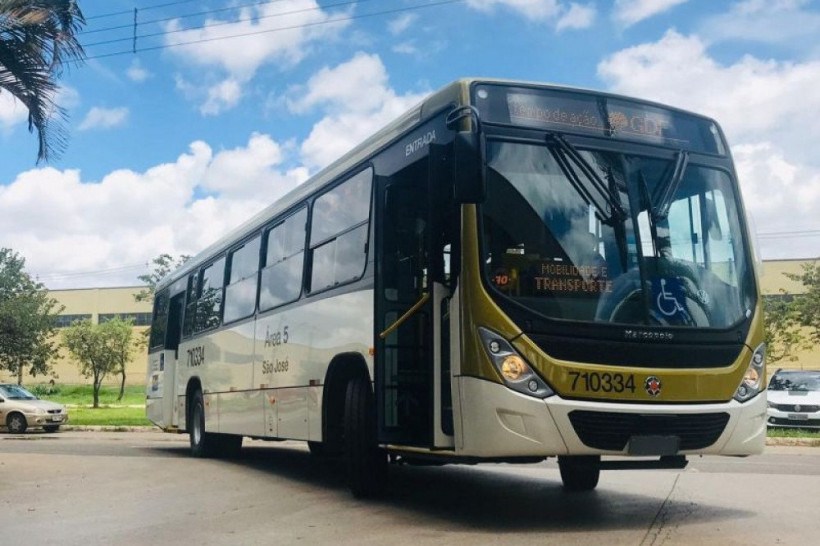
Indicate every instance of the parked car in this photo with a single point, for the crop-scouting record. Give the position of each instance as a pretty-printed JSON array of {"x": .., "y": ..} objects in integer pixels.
[
  {"x": 19, "y": 410},
  {"x": 794, "y": 399}
]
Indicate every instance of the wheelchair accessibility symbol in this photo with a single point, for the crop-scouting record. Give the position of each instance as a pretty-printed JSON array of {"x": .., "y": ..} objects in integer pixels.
[
  {"x": 669, "y": 299},
  {"x": 667, "y": 302}
]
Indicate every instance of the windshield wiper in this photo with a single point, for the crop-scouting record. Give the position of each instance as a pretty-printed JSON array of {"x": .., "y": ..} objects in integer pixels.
[
  {"x": 646, "y": 204},
  {"x": 612, "y": 212},
  {"x": 665, "y": 192}
]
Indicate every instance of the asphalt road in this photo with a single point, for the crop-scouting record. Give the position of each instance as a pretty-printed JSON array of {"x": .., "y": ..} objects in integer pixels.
[{"x": 90, "y": 488}]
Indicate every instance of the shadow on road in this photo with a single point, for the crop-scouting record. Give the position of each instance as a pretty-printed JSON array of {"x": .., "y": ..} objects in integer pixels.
[{"x": 489, "y": 498}]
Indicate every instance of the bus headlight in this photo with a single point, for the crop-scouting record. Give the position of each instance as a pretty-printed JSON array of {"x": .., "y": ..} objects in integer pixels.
[
  {"x": 514, "y": 370},
  {"x": 752, "y": 382}
]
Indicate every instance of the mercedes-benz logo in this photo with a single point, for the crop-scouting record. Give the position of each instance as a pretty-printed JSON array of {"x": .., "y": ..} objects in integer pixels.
[{"x": 797, "y": 407}]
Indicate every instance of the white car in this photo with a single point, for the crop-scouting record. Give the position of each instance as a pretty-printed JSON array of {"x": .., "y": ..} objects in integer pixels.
[
  {"x": 794, "y": 399},
  {"x": 19, "y": 410}
]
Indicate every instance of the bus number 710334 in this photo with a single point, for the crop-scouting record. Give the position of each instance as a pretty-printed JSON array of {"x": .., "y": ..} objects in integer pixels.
[{"x": 602, "y": 382}]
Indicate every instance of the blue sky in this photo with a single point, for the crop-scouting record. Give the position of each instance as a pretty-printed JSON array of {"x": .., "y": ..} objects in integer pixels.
[{"x": 173, "y": 145}]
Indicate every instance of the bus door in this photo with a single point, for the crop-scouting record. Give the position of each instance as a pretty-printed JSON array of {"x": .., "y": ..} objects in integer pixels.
[
  {"x": 412, "y": 377},
  {"x": 166, "y": 330},
  {"x": 172, "y": 336}
]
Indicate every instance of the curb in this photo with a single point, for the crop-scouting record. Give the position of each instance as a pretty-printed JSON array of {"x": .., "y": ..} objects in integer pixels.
[
  {"x": 110, "y": 428},
  {"x": 800, "y": 442}
]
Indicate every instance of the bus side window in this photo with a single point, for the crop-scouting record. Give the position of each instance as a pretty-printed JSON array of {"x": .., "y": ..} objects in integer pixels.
[
  {"x": 338, "y": 233},
  {"x": 191, "y": 295},
  {"x": 284, "y": 257},
  {"x": 240, "y": 292},
  {"x": 209, "y": 306}
]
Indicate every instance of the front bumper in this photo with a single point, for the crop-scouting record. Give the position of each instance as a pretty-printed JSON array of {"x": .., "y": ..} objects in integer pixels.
[
  {"x": 46, "y": 420},
  {"x": 497, "y": 422},
  {"x": 792, "y": 419}
]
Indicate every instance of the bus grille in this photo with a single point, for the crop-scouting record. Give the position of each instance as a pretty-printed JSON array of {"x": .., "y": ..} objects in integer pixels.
[{"x": 611, "y": 431}]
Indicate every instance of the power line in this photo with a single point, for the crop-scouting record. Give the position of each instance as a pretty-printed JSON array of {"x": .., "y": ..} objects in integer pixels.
[
  {"x": 163, "y": 33},
  {"x": 266, "y": 31},
  {"x": 781, "y": 234},
  {"x": 92, "y": 273},
  {"x": 204, "y": 12},
  {"x": 146, "y": 8}
]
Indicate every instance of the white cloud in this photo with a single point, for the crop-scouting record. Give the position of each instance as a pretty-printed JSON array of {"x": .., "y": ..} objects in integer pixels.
[
  {"x": 576, "y": 17},
  {"x": 12, "y": 111},
  {"x": 406, "y": 48},
  {"x": 64, "y": 225},
  {"x": 222, "y": 96},
  {"x": 783, "y": 197},
  {"x": 104, "y": 118},
  {"x": 563, "y": 16},
  {"x": 401, "y": 23},
  {"x": 536, "y": 10},
  {"x": 136, "y": 72},
  {"x": 629, "y": 12},
  {"x": 351, "y": 115},
  {"x": 274, "y": 32},
  {"x": 783, "y": 22},
  {"x": 251, "y": 171},
  {"x": 764, "y": 108}
]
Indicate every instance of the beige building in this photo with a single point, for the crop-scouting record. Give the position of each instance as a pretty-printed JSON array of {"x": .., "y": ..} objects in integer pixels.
[
  {"x": 97, "y": 305},
  {"x": 101, "y": 304}
]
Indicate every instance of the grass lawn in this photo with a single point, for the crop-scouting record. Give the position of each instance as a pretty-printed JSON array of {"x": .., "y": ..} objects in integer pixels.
[
  {"x": 128, "y": 412},
  {"x": 83, "y": 395},
  {"x": 792, "y": 433},
  {"x": 108, "y": 416}
]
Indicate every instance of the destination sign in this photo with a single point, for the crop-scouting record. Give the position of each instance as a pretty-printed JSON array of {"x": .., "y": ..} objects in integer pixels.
[{"x": 600, "y": 115}]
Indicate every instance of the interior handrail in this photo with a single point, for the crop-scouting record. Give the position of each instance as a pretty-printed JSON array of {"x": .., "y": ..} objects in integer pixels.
[{"x": 410, "y": 312}]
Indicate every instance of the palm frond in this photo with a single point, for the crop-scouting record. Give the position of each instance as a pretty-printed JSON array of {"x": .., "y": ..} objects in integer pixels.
[{"x": 37, "y": 39}]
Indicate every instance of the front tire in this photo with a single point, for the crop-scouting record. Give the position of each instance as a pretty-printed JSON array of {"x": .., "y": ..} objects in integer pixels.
[
  {"x": 51, "y": 428},
  {"x": 209, "y": 444},
  {"x": 366, "y": 463},
  {"x": 580, "y": 473},
  {"x": 16, "y": 423}
]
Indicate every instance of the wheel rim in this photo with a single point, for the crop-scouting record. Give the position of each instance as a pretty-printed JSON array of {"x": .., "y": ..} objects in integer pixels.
[{"x": 15, "y": 423}]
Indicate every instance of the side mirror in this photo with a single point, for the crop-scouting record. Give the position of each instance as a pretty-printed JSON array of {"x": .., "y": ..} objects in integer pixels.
[{"x": 470, "y": 186}]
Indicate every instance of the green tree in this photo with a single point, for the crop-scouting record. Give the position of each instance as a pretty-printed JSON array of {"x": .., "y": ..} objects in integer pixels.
[
  {"x": 37, "y": 39},
  {"x": 120, "y": 334},
  {"x": 92, "y": 346},
  {"x": 27, "y": 319},
  {"x": 782, "y": 328},
  {"x": 807, "y": 304}
]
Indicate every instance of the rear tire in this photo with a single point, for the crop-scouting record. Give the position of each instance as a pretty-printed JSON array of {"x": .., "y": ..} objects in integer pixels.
[
  {"x": 209, "y": 444},
  {"x": 580, "y": 473},
  {"x": 16, "y": 423},
  {"x": 366, "y": 463}
]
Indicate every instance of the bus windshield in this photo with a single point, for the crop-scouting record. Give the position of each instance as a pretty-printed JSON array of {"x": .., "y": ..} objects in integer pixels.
[{"x": 611, "y": 237}]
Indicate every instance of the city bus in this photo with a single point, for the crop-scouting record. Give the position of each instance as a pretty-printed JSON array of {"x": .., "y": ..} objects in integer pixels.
[{"x": 508, "y": 272}]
